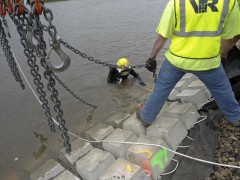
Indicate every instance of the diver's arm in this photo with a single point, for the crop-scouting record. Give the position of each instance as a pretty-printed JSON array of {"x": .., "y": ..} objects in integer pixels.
[
  {"x": 136, "y": 75},
  {"x": 112, "y": 75}
]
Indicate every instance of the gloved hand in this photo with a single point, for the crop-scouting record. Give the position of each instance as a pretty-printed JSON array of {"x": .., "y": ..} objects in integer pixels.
[
  {"x": 151, "y": 64},
  {"x": 142, "y": 83}
]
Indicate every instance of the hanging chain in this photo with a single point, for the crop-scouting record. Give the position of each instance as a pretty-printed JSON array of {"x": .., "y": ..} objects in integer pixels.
[
  {"x": 155, "y": 77},
  {"x": 9, "y": 55},
  {"x": 85, "y": 56},
  {"x": 41, "y": 53},
  {"x": 72, "y": 93},
  {"x": 20, "y": 22}
]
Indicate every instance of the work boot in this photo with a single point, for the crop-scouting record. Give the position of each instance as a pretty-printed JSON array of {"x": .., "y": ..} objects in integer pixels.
[
  {"x": 236, "y": 123},
  {"x": 138, "y": 109}
]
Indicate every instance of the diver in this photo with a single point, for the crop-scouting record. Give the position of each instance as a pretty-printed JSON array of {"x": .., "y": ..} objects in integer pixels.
[{"x": 117, "y": 75}]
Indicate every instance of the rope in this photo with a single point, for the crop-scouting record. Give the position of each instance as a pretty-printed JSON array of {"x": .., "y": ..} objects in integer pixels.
[{"x": 131, "y": 143}]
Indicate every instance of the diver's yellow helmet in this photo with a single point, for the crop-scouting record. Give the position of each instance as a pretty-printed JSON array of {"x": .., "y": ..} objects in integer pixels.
[{"x": 123, "y": 62}]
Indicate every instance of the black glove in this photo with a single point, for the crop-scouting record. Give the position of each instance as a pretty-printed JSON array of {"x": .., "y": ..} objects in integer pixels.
[
  {"x": 142, "y": 83},
  {"x": 151, "y": 64}
]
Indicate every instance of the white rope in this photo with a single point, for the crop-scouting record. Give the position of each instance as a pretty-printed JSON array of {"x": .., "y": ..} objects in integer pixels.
[
  {"x": 135, "y": 143},
  {"x": 203, "y": 119},
  {"x": 167, "y": 173},
  {"x": 186, "y": 145}
]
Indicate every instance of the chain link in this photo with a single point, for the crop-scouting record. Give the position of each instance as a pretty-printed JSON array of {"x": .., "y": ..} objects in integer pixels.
[
  {"x": 72, "y": 93},
  {"x": 20, "y": 22},
  {"x": 9, "y": 55},
  {"x": 155, "y": 77},
  {"x": 48, "y": 74}
]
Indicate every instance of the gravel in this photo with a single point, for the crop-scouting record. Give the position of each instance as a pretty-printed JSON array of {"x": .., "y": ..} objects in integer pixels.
[{"x": 227, "y": 152}]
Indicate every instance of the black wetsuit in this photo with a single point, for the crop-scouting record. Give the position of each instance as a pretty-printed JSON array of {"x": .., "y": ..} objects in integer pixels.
[{"x": 115, "y": 76}]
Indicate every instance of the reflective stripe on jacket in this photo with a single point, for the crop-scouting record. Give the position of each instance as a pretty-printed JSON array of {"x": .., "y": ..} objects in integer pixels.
[{"x": 199, "y": 24}]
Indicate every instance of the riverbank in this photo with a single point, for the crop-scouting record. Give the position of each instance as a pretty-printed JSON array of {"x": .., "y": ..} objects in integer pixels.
[{"x": 228, "y": 152}]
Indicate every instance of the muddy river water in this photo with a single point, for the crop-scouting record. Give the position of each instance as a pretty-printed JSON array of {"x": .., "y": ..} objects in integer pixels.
[{"x": 104, "y": 29}]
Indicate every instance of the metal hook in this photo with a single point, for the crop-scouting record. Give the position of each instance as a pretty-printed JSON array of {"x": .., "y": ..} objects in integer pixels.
[{"x": 64, "y": 57}]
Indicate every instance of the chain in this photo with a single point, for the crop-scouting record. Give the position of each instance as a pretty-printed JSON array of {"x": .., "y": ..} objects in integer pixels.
[
  {"x": 19, "y": 21},
  {"x": 85, "y": 56},
  {"x": 155, "y": 77},
  {"x": 72, "y": 93},
  {"x": 9, "y": 55},
  {"x": 41, "y": 53}
]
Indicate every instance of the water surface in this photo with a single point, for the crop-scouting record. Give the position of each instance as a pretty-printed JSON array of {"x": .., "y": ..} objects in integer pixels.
[{"x": 104, "y": 29}]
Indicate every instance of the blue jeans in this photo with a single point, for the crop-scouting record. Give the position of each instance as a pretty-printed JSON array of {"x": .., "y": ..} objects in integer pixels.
[{"x": 215, "y": 80}]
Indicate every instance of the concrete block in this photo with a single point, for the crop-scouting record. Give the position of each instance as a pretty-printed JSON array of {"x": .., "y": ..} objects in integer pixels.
[
  {"x": 181, "y": 85},
  {"x": 194, "y": 96},
  {"x": 48, "y": 170},
  {"x": 66, "y": 175},
  {"x": 151, "y": 158},
  {"x": 166, "y": 104},
  {"x": 93, "y": 164},
  {"x": 186, "y": 112},
  {"x": 117, "y": 119},
  {"x": 171, "y": 130},
  {"x": 79, "y": 149},
  {"x": 119, "y": 149},
  {"x": 122, "y": 169},
  {"x": 134, "y": 125},
  {"x": 189, "y": 77},
  {"x": 173, "y": 94},
  {"x": 99, "y": 132},
  {"x": 198, "y": 84}
]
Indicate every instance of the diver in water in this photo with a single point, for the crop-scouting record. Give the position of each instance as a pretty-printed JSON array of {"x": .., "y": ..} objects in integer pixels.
[{"x": 117, "y": 75}]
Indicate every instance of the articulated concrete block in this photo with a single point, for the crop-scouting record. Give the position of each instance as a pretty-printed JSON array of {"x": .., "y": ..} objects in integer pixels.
[
  {"x": 171, "y": 130},
  {"x": 151, "y": 158},
  {"x": 165, "y": 106},
  {"x": 93, "y": 164},
  {"x": 79, "y": 149},
  {"x": 194, "y": 96},
  {"x": 181, "y": 85},
  {"x": 119, "y": 149},
  {"x": 66, "y": 175},
  {"x": 48, "y": 170},
  {"x": 198, "y": 84},
  {"x": 117, "y": 119},
  {"x": 99, "y": 132},
  {"x": 122, "y": 169},
  {"x": 186, "y": 112},
  {"x": 133, "y": 124},
  {"x": 189, "y": 77}
]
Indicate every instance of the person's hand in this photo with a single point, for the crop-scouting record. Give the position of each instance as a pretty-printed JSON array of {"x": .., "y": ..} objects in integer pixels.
[
  {"x": 142, "y": 83},
  {"x": 151, "y": 64}
]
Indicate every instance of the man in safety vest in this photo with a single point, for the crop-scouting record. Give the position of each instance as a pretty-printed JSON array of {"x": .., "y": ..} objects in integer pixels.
[
  {"x": 122, "y": 72},
  {"x": 201, "y": 33}
]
